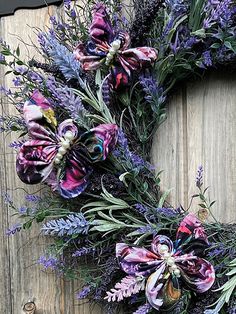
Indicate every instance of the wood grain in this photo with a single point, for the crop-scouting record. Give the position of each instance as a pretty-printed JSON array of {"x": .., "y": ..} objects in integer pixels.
[
  {"x": 22, "y": 280},
  {"x": 200, "y": 130}
]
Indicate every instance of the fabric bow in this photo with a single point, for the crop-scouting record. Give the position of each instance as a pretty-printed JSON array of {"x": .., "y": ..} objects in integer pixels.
[
  {"x": 60, "y": 155},
  {"x": 112, "y": 48},
  {"x": 168, "y": 266}
]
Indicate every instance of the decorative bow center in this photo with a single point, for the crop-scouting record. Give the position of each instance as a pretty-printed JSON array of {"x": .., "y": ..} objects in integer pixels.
[
  {"x": 115, "y": 46},
  {"x": 65, "y": 144},
  {"x": 169, "y": 259}
]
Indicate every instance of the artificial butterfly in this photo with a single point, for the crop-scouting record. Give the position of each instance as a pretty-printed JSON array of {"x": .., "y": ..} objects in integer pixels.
[
  {"x": 112, "y": 48},
  {"x": 59, "y": 154}
]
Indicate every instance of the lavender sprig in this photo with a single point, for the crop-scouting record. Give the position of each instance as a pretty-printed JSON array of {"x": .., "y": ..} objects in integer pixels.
[
  {"x": 65, "y": 60},
  {"x": 143, "y": 309},
  {"x": 83, "y": 293},
  {"x": 73, "y": 224}
]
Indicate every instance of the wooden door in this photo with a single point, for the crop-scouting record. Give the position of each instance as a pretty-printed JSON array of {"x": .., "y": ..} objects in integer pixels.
[{"x": 200, "y": 129}]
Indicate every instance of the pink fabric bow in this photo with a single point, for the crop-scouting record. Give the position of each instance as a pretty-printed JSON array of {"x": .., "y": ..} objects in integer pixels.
[
  {"x": 105, "y": 46},
  {"x": 168, "y": 266},
  {"x": 60, "y": 155}
]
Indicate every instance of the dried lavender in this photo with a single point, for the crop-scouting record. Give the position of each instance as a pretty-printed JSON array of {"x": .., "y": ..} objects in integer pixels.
[
  {"x": 65, "y": 98},
  {"x": 143, "y": 20},
  {"x": 73, "y": 224},
  {"x": 50, "y": 262},
  {"x": 83, "y": 251},
  {"x": 199, "y": 177},
  {"x": 83, "y": 293},
  {"x": 13, "y": 229},
  {"x": 143, "y": 309},
  {"x": 65, "y": 61}
]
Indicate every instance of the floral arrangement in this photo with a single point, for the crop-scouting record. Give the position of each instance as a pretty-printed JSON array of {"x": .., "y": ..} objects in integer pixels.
[{"x": 87, "y": 115}]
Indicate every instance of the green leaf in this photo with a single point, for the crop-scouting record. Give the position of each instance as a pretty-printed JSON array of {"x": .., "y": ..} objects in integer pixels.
[
  {"x": 6, "y": 52},
  {"x": 18, "y": 51}
]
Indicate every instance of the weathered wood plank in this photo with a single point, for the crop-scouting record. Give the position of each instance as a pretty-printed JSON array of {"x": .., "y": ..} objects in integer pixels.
[
  {"x": 22, "y": 278},
  {"x": 200, "y": 130}
]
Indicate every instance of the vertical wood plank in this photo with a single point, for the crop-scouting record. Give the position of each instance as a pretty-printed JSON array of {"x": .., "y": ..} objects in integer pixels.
[
  {"x": 200, "y": 130},
  {"x": 23, "y": 280},
  {"x": 169, "y": 150}
]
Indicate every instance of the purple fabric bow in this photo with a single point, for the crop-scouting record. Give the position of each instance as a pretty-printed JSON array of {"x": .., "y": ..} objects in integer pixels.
[
  {"x": 168, "y": 266},
  {"x": 106, "y": 46},
  {"x": 60, "y": 155}
]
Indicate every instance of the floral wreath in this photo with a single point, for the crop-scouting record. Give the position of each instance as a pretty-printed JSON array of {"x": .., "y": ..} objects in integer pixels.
[{"x": 87, "y": 118}]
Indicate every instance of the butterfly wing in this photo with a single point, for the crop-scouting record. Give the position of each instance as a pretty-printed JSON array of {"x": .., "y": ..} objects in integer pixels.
[
  {"x": 91, "y": 147},
  {"x": 35, "y": 158},
  {"x": 91, "y": 54}
]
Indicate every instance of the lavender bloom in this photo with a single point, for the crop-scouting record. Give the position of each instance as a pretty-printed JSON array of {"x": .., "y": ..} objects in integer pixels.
[
  {"x": 2, "y": 57},
  {"x": 50, "y": 262},
  {"x": 5, "y": 91},
  {"x": 73, "y": 224},
  {"x": 167, "y": 212},
  {"x": 143, "y": 309},
  {"x": 153, "y": 93},
  {"x": 73, "y": 14},
  {"x": 218, "y": 12},
  {"x": 21, "y": 70},
  {"x": 83, "y": 251},
  {"x": 136, "y": 161},
  {"x": 16, "y": 144},
  {"x": 13, "y": 229},
  {"x": 17, "y": 81},
  {"x": 35, "y": 77},
  {"x": 65, "y": 60},
  {"x": 67, "y": 4},
  {"x": 23, "y": 210},
  {"x": 7, "y": 199},
  {"x": 221, "y": 251},
  {"x": 106, "y": 92},
  {"x": 32, "y": 198},
  {"x": 147, "y": 229},
  {"x": 83, "y": 293},
  {"x": 199, "y": 177},
  {"x": 67, "y": 100},
  {"x": 141, "y": 208}
]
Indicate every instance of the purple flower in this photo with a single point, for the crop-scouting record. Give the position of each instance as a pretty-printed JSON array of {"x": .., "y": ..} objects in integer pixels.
[
  {"x": 2, "y": 57},
  {"x": 143, "y": 309},
  {"x": 32, "y": 198},
  {"x": 168, "y": 212},
  {"x": 35, "y": 77},
  {"x": 17, "y": 81},
  {"x": 50, "y": 262},
  {"x": 147, "y": 229},
  {"x": 21, "y": 70},
  {"x": 72, "y": 224},
  {"x": 153, "y": 92},
  {"x": 13, "y": 229},
  {"x": 53, "y": 20},
  {"x": 106, "y": 92},
  {"x": 83, "y": 251},
  {"x": 23, "y": 210},
  {"x": 67, "y": 4},
  {"x": 73, "y": 14},
  {"x": 141, "y": 208},
  {"x": 199, "y": 177},
  {"x": 16, "y": 144},
  {"x": 83, "y": 293},
  {"x": 5, "y": 91}
]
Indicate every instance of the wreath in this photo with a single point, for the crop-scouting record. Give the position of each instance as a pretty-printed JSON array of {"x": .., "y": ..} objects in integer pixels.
[{"x": 87, "y": 116}]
